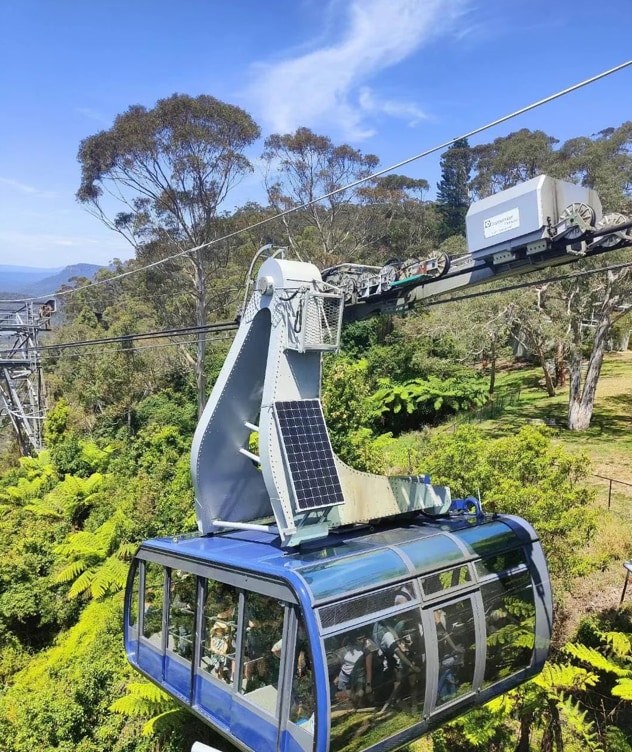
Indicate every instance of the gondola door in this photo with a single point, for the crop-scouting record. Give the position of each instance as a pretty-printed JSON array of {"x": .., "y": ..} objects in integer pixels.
[{"x": 456, "y": 628}]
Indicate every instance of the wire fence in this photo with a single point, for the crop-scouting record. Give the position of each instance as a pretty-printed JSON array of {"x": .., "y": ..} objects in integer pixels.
[
  {"x": 618, "y": 490},
  {"x": 614, "y": 490},
  {"x": 490, "y": 410}
]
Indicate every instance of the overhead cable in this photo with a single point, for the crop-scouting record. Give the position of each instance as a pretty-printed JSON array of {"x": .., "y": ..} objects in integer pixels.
[{"x": 348, "y": 186}]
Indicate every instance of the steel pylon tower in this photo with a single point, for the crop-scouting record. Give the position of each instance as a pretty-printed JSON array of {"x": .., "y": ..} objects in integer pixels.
[{"x": 22, "y": 396}]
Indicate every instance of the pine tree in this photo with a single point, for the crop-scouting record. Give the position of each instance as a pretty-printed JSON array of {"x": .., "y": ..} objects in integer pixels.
[{"x": 452, "y": 190}]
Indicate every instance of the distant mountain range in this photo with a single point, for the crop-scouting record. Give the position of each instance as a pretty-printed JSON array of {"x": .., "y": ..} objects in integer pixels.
[{"x": 31, "y": 282}]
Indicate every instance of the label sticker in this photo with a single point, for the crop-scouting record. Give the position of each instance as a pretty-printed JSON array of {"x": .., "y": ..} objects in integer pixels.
[{"x": 504, "y": 222}]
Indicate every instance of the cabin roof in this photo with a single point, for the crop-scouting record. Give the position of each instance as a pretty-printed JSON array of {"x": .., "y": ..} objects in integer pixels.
[{"x": 353, "y": 560}]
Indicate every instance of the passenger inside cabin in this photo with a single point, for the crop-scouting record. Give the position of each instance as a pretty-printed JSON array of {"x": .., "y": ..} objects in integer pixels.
[
  {"x": 220, "y": 647},
  {"x": 450, "y": 658},
  {"x": 355, "y": 678},
  {"x": 399, "y": 660}
]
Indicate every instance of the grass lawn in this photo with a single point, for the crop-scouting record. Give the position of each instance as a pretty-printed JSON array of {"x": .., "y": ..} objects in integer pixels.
[{"x": 608, "y": 444}]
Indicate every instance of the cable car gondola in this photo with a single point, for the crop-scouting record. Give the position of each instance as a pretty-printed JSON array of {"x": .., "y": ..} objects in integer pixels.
[
  {"x": 321, "y": 608},
  {"x": 364, "y": 642}
]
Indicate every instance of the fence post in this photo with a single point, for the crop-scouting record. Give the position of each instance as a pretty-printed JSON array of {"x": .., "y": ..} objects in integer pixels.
[{"x": 609, "y": 493}]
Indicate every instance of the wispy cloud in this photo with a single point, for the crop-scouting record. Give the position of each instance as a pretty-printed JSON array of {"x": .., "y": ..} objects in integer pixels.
[
  {"x": 408, "y": 111},
  {"x": 328, "y": 85},
  {"x": 26, "y": 189},
  {"x": 95, "y": 115}
]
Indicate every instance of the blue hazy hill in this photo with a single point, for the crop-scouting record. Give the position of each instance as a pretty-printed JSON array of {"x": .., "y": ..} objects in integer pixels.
[{"x": 27, "y": 282}]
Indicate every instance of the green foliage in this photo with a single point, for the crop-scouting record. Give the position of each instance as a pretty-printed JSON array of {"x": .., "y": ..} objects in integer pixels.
[
  {"x": 452, "y": 190},
  {"x": 95, "y": 561},
  {"x": 524, "y": 474},
  {"x": 416, "y": 402},
  {"x": 347, "y": 408},
  {"x": 67, "y": 688}
]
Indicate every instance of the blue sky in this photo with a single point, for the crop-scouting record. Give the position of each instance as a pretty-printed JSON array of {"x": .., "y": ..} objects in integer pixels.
[{"x": 389, "y": 77}]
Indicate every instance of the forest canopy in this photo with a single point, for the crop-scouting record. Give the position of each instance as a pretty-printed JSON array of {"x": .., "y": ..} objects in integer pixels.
[{"x": 114, "y": 469}]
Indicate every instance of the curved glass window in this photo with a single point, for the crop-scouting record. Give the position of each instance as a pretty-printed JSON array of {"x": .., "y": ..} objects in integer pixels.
[
  {"x": 302, "y": 705},
  {"x": 132, "y": 619},
  {"x": 153, "y": 602},
  {"x": 450, "y": 578},
  {"x": 354, "y": 608},
  {"x": 334, "y": 578},
  {"x": 501, "y": 562},
  {"x": 182, "y": 602},
  {"x": 510, "y": 622},
  {"x": 261, "y": 650},
  {"x": 219, "y": 631},
  {"x": 486, "y": 540},
  {"x": 433, "y": 552},
  {"x": 456, "y": 641},
  {"x": 377, "y": 675}
]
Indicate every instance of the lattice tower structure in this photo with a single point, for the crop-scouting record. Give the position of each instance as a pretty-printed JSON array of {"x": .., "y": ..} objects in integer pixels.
[{"x": 22, "y": 393}]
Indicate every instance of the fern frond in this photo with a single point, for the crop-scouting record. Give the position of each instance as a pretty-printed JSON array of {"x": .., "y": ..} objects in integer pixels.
[
  {"x": 160, "y": 723},
  {"x": 43, "y": 509},
  {"x": 71, "y": 572},
  {"x": 623, "y": 689},
  {"x": 619, "y": 642},
  {"x": 110, "y": 577},
  {"x": 594, "y": 658},
  {"x": 575, "y": 721},
  {"x": 564, "y": 677},
  {"x": 149, "y": 692},
  {"x": 126, "y": 551},
  {"x": 503, "y": 704},
  {"x": 143, "y": 699},
  {"x": 81, "y": 584}
]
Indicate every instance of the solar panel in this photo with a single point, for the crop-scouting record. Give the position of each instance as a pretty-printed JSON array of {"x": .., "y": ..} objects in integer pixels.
[{"x": 309, "y": 455}]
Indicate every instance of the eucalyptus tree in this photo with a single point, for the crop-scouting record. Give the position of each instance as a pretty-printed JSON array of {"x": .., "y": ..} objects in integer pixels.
[
  {"x": 594, "y": 304},
  {"x": 159, "y": 175},
  {"x": 304, "y": 166},
  {"x": 509, "y": 160},
  {"x": 398, "y": 220},
  {"x": 603, "y": 162},
  {"x": 577, "y": 315}
]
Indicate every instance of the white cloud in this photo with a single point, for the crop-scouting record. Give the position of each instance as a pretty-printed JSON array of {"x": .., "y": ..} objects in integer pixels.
[
  {"x": 92, "y": 114},
  {"x": 326, "y": 85},
  {"x": 24, "y": 188},
  {"x": 408, "y": 111}
]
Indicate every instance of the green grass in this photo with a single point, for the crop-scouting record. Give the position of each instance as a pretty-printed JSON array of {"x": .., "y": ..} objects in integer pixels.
[
  {"x": 608, "y": 444},
  {"x": 608, "y": 441}
]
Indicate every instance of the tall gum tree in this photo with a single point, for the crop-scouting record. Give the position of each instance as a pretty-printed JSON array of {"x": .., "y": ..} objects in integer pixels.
[
  {"x": 603, "y": 162},
  {"x": 304, "y": 166},
  {"x": 169, "y": 168}
]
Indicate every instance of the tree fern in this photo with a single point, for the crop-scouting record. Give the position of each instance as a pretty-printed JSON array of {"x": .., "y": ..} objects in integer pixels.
[
  {"x": 595, "y": 659},
  {"x": 558, "y": 677},
  {"x": 618, "y": 642},
  {"x": 575, "y": 721},
  {"x": 96, "y": 560},
  {"x": 163, "y": 722},
  {"x": 144, "y": 699},
  {"x": 623, "y": 688}
]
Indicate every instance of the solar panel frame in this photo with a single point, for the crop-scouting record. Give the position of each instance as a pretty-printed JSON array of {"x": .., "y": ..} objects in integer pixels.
[{"x": 309, "y": 455}]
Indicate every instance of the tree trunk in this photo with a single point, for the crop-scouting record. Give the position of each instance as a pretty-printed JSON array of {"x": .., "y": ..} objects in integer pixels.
[
  {"x": 582, "y": 400},
  {"x": 525, "y": 733},
  {"x": 492, "y": 373},
  {"x": 548, "y": 381},
  {"x": 560, "y": 366},
  {"x": 200, "y": 316}
]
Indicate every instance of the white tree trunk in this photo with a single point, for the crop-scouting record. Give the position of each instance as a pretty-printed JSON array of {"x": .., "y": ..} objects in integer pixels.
[{"x": 582, "y": 398}]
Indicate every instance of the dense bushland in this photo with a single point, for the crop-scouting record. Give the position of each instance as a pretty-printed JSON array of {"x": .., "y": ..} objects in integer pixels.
[{"x": 115, "y": 467}]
